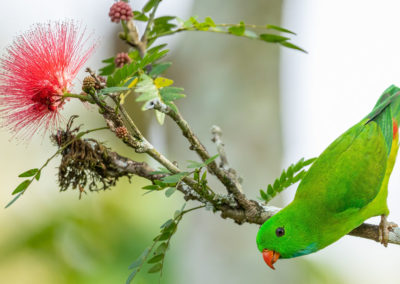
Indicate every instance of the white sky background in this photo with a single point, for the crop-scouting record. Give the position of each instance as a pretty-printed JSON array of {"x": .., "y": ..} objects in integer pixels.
[{"x": 354, "y": 55}]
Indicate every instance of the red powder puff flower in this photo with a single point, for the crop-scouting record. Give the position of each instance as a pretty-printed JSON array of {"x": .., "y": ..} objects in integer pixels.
[{"x": 35, "y": 73}]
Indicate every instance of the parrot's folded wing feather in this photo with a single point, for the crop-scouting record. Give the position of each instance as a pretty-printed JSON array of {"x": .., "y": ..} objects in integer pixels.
[{"x": 341, "y": 177}]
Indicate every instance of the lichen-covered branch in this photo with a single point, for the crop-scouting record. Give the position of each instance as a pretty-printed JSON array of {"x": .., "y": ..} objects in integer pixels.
[
  {"x": 230, "y": 182},
  {"x": 118, "y": 165}
]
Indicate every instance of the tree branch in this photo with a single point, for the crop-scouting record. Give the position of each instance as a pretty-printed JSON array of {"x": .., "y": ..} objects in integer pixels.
[
  {"x": 127, "y": 166},
  {"x": 230, "y": 182}
]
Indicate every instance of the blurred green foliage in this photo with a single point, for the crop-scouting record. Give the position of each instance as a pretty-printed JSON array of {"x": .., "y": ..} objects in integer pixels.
[{"x": 89, "y": 241}]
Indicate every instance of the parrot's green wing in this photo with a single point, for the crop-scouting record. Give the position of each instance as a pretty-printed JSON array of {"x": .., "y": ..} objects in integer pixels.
[
  {"x": 349, "y": 173},
  {"x": 340, "y": 179}
]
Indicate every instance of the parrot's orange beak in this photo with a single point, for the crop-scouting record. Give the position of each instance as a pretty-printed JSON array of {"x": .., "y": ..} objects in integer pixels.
[{"x": 270, "y": 257}]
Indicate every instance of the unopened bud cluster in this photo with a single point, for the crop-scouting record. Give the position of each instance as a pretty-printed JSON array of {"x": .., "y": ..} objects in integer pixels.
[
  {"x": 120, "y": 11},
  {"x": 121, "y": 132},
  {"x": 88, "y": 83},
  {"x": 121, "y": 59}
]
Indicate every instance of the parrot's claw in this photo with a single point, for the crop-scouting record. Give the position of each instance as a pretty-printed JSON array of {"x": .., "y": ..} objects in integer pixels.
[{"x": 384, "y": 228}]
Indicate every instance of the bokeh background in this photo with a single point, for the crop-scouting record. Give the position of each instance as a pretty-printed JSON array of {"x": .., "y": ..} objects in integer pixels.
[{"x": 274, "y": 105}]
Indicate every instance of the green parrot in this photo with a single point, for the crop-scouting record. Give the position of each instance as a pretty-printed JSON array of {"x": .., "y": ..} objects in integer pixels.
[{"x": 346, "y": 185}]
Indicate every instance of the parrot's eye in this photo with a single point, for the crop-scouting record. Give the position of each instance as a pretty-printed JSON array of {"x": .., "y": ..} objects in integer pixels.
[{"x": 280, "y": 232}]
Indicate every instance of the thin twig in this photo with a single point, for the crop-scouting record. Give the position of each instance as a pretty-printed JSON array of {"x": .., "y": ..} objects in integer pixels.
[
  {"x": 149, "y": 23},
  {"x": 216, "y": 138},
  {"x": 231, "y": 184}
]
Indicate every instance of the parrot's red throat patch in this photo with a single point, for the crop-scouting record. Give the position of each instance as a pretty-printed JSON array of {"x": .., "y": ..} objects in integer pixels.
[{"x": 270, "y": 257}]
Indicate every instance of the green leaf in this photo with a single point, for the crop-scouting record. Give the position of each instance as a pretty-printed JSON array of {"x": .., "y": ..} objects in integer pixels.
[
  {"x": 156, "y": 48},
  {"x": 164, "y": 236},
  {"x": 110, "y": 81},
  {"x": 171, "y": 93},
  {"x": 292, "y": 46},
  {"x": 169, "y": 191},
  {"x": 13, "y": 200},
  {"x": 276, "y": 184},
  {"x": 107, "y": 70},
  {"x": 108, "y": 60},
  {"x": 162, "y": 248},
  {"x": 174, "y": 178},
  {"x": 264, "y": 195},
  {"x": 208, "y": 161},
  {"x": 151, "y": 187},
  {"x": 113, "y": 90},
  {"x": 37, "y": 176},
  {"x": 149, "y": 5},
  {"x": 29, "y": 173},
  {"x": 139, "y": 261},
  {"x": 159, "y": 68},
  {"x": 156, "y": 258},
  {"x": 22, "y": 186},
  {"x": 172, "y": 105},
  {"x": 270, "y": 190},
  {"x": 273, "y": 38},
  {"x": 139, "y": 16},
  {"x": 155, "y": 268},
  {"x": 277, "y": 28},
  {"x": 194, "y": 164},
  {"x": 150, "y": 58},
  {"x": 204, "y": 176},
  {"x": 196, "y": 175},
  {"x": 209, "y": 21},
  {"x": 298, "y": 165},
  {"x": 171, "y": 227},
  {"x": 132, "y": 276},
  {"x": 309, "y": 161},
  {"x": 237, "y": 30},
  {"x": 147, "y": 89},
  {"x": 167, "y": 223},
  {"x": 250, "y": 34}
]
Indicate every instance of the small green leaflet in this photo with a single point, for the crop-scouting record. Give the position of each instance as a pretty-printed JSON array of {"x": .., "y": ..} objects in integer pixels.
[
  {"x": 156, "y": 258},
  {"x": 140, "y": 259},
  {"x": 158, "y": 69},
  {"x": 169, "y": 191},
  {"x": 237, "y": 30},
  {"x": 149, "y": 93},
  {"x": 139, "y": 16},
  {"x": 241, "y": 29},
  {"x": 195, "y": 164},
  {"x": 292, "y": 46},
  {"x": 112, "y": 90},
  {"x": 29, "y": 173},
  {"x": 277, "y": 28},
  {"x": 14, "y": 199},
  {"x": 169, "y": 94},
  {"x": 273, "y": 38},
  {"x": 175, "y": 178},
  {"x": 22, "y": 186},
  {"x": 286, "y": 179},
  {"x": 149, "y": 5},
  {"x": 137, "y": 265},
  {"x": 155, "y": 268}
]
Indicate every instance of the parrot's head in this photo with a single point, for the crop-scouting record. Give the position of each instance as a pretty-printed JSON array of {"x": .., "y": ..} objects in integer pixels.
[{"x": 286, "y": 235}]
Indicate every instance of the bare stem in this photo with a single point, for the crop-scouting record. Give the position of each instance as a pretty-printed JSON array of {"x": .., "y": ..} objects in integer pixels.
[
  {"x": 81, "y": 97},
  {"x": 231, "y": 183}
]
